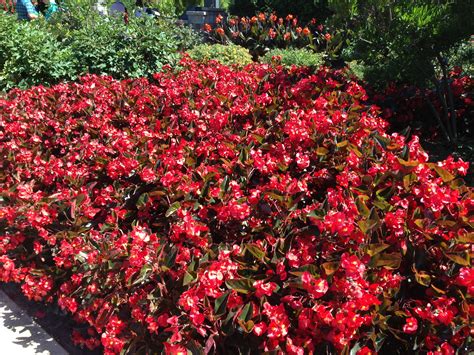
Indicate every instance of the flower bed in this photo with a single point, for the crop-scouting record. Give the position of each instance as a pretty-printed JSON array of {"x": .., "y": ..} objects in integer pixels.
[
  {"x": 225, "y": 210},
  {"x": 266, "y": 31}
]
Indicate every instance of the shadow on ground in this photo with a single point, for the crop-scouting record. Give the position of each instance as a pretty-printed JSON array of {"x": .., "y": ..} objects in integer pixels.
[{"x": 53, "y": 320}]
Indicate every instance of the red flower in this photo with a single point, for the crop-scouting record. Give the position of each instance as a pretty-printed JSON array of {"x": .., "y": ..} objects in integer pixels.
[
  {"x": 259, "y": 329},
  {"x": 410, "y": 326},
  {"x": 466, "y": 279},
  {"x": 263, "y": 288}
]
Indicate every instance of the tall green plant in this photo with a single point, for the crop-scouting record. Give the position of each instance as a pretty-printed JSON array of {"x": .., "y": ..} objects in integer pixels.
[
  {"x": 305, "y": 10},
  {"x": 408, "y": 42}
]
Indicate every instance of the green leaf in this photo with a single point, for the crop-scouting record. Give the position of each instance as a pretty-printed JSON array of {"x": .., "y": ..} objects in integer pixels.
[
  {"x": 173, "y": 208},
  {"x": 247, "y": 312},
  {"x": 385, "y": 193},
  {"x": 189, "y": 277},
  {"x": 241, "y": 285},
  {"x": 361, "y": 207},
  {"x": 171, "y": 257},
  {"x": 255, "y": 251},
  {"x": 382, "y": 141},
  {"x": 220, "y": 305},
  {"x": 225, "y": 185},
  {"x": 357, "y": 346},
  {"x": 194, "y": 348},
  {"x": 145, "y": 273},
  {"x": 142, "y": 200}
]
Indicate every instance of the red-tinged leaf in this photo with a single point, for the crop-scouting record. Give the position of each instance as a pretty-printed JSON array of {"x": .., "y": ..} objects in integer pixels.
[
  {"x": 355, "y": 150},
  {"x": 388, "y": 260},
  {"x": 422, "y": 277},
  {"x": 361, "y": 206},
  {"x": 438, "y": 290},
  {"x": 444, "y": 174},
  {"x": 330, "y": 267},
  {"x": 460, "y": 258},
  {"x": 210, "y": 344},
  {"x": 246, "y": 326},
  {"x": 322, "y": 151},
  {"x": 374, "y": 249},
  {"x": 467, "y": 238},
  {"x": 409, "y": 163}
]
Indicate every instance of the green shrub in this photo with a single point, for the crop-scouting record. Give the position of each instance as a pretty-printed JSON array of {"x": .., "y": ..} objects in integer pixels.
[
  {"x": 411, "y": 43},
  {"x": 293, "y": 56},
  {"x": 463, "y": 56},
  {"x": 74, "y": 44},
  {"x": 31, "y": 55},
  {"x": 227, "y": 55},
  {"x": 383, "y": 35},
  {"x": 139, "y": 48}
]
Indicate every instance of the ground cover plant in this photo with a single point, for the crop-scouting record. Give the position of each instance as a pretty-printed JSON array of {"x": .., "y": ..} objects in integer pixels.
[{"x": 231, "y": 210}]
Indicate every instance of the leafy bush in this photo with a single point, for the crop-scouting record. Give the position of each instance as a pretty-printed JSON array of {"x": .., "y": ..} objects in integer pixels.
[
  {"x": 228, "y": 55},
  {"x": 292, "y": 56},
  {"x": 384, "y": 37},
  {"x": 462, "y": 56},
  {"x": 30, "y": 55},
  {"x": 110, "y": 46},
  {"x": 265, "y": 31},
  {"x": 225, "y": 210},
  {"x": 139, "y": 48},
  {"x": 75, "y": 43}
]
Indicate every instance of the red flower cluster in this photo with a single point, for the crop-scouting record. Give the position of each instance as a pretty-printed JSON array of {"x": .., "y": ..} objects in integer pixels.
[{"x": 217, "y": 209}]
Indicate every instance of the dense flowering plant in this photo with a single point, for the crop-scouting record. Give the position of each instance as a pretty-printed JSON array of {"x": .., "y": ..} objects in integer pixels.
[
  {"x": 233, "y": 211},
  {"x": 265, "y": 31}
]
